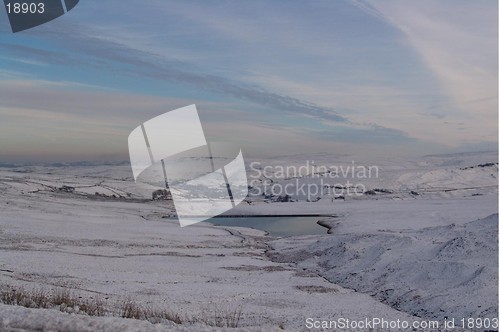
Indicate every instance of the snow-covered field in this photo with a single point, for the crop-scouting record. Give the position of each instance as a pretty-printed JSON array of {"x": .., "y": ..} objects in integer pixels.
[{"x": 425, "y": 247}]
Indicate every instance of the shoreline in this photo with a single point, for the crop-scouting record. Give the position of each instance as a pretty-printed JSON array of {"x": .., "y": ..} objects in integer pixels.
[{"x": 326, "y": 224}]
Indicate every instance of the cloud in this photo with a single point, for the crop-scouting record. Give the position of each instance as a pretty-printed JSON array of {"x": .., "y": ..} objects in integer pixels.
[
  {"x": 458, "y": 41},
  {"x": 107, "y": 53},
  {"x": 42, "y": 119},
  {"x": 84, "y": 46},
  {"x": 85, "y": 102},
  {"x": 102, "y": 53}
]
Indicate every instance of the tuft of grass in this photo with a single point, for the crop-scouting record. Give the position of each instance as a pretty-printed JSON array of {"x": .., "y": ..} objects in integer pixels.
[
  {"x": 65, "y": 300},
  {"x": 156, "y": 315},
  {"x": 61, "y": 298},
  {"x": 130, "y": 309},
  {"x": 9, "y": 297},
  {"x": 223, "y": 318},
  {"x": 37, "y": 298},
  {"x": 93, "y": 306}
]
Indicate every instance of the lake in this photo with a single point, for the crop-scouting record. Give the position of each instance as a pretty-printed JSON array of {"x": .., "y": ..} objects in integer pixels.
[{"x": 275, "y": 225}]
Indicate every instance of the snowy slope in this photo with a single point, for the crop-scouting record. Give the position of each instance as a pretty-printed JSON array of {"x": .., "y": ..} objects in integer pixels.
[{"x": 435, "y": 272}]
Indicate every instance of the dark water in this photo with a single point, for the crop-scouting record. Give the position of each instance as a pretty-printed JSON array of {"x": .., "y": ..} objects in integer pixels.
[{"x": 276, "y": 226}]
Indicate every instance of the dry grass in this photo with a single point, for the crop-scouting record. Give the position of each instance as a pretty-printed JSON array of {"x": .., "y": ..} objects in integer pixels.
[
  {"x": 130, "y": 309},
  {"x": 223, "y": 318},
  {"x": 58, "y": 298},
  {"x": 155, "y": 315},
  {"x": 65, "y": 300}
]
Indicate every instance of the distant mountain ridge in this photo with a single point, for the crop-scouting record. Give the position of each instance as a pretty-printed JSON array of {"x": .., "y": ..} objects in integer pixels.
[{"x": 65, "y": 164}]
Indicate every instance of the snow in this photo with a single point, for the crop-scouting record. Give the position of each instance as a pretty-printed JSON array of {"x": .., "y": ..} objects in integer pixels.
[
  {"x": 123, "y": 248},
  {"x": 13, "y": 318},
  {"x": 436, "y": 272},
  {"x": 391, "y": 255}
]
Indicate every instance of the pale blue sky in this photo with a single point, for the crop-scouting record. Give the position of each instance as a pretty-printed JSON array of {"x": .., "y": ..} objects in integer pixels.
[{"x": 364, "y": 77}]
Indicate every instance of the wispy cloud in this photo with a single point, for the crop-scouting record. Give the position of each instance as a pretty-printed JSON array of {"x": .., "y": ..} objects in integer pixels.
[
  {"x": 458, "y": 42},
  {"x": 108, "y": 53}
]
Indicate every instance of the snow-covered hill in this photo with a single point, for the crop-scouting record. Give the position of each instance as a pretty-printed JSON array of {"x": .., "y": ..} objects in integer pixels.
[
  {"x": 423, "y": 244},
  {"x": 435, "y": 272},
  {"x": 116, "y": 248}
]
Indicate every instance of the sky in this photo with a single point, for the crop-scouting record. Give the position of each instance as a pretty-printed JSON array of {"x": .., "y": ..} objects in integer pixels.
[{"x": 364, "y": 77}]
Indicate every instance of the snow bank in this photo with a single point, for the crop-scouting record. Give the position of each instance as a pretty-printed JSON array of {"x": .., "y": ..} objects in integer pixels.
[{"x": 435, "y": 272}]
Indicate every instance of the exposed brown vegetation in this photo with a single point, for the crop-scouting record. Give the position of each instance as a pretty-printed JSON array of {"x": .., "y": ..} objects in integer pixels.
[
  {"x": 60, "y": 298},
  {"x": 67, "y": 301}
]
